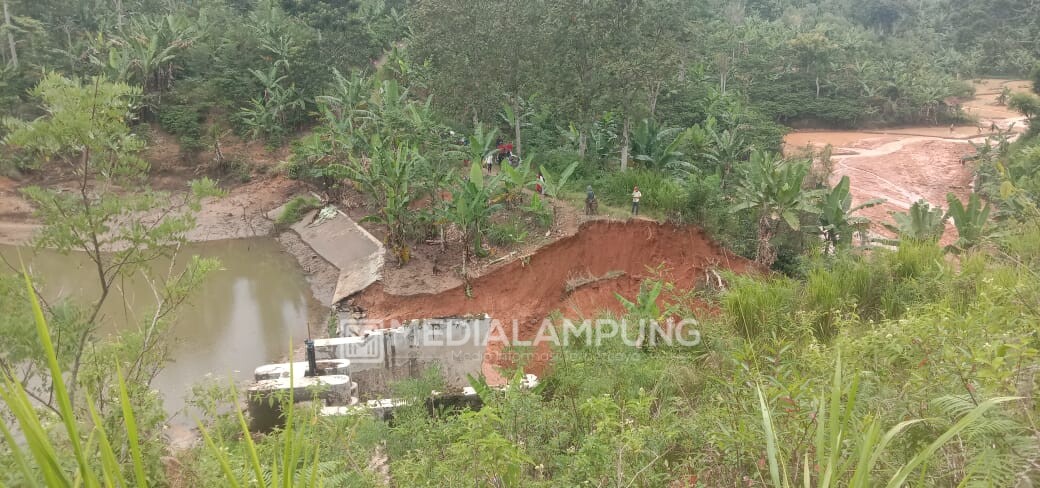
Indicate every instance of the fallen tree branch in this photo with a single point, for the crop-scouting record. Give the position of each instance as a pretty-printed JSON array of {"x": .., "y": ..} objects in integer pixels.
[{"x": 582, "y": 281}]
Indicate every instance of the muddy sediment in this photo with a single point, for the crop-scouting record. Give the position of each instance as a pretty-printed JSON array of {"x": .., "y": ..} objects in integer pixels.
[{"x": 904, "y": 165}]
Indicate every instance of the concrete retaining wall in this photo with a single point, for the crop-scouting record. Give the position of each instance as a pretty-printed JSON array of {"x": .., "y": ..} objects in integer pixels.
[{"x": 381, "y": 357}]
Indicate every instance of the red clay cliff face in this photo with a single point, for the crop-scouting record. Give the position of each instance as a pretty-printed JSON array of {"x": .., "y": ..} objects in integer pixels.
[{"x": 528, "y": 290}]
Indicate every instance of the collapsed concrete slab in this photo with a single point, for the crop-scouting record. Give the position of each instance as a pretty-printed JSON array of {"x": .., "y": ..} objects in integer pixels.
[{"x": 346, "y": 245}]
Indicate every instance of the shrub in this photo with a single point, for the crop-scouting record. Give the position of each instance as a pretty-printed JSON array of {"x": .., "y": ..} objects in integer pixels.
[
  {"x": 185, "y": 122},
  {"x": 1035, "y": 78},
  {"x": 1028, "y": 105}
]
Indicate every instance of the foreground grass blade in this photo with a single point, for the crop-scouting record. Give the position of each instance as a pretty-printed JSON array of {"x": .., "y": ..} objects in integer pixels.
[
  {"x": 16, "y": 450},
  {"x": 225, "y": 466},
  {"x": 289, "y": 456},
  {"x": 110, "y": 469},
  {"x": 52, "y": 470},
  {"x": 254, "y": 458},
  {"x": 131, "y": 432},
  {"x": 771, "y": 450}
]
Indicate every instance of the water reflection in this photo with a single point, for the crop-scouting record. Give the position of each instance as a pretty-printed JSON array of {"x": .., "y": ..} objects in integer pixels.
[{"x": 244, "y": 315}]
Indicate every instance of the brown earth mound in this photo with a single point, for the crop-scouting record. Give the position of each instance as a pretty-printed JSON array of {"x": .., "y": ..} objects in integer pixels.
[{"x": 610, "y": 256}]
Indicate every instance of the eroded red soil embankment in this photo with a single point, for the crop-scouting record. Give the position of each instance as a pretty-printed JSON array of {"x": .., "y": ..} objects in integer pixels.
[{"x": 528, "y": 290}]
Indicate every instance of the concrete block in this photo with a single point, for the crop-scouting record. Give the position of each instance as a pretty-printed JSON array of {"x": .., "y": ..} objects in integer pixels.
[{"x": 299, "y": 369}]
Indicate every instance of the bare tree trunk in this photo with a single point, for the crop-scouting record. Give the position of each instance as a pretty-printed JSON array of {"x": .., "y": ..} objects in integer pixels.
[
  {"x": 625, "y": 142},
  {"x": 583, "y": 143},
  {"x": 655, "y": 92},
  {"x": 765, "y": 255},
  {"x": 817, "y": 86},
  {"x": 516, "y": 125},
  {"x": 10, "y": 35}
]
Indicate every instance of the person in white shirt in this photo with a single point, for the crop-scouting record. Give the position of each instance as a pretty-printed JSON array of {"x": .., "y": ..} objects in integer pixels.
[{"x": 636, "y": 195}]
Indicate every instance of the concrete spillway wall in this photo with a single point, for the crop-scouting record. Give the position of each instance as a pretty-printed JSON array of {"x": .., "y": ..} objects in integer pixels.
[
  {"x": 368, "y": 364},
  {"x": 378, "y": 358}
]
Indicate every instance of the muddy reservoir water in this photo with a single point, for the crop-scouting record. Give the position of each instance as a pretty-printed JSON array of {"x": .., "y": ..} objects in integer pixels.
[{"x": 243, "y": 316}]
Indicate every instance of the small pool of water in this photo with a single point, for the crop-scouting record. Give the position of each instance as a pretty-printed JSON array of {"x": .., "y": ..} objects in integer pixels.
[{"x": 243, "y": 316}]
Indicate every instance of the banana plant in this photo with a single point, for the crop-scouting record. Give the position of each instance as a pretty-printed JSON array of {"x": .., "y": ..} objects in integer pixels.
[
  {"x": 471, "y": 208},
  {"x": 145, "y": 52},
  {"x": 388, "y": 179},
  {"x": 345, "y": 105},
  {"x": 773, "y": 190},
  {"x": 836, "y": 215},
  {"x": 516, "y": 113},
  {"x": 922, "y": 223},
  {"x": 727, "y": 147},
  {"x": 657, "y": 147},
  {"x": 482, "y": 144},
  {"x": 645, "y": 310},
  {"x": 270, "y": 115},
  {"x": 554, "y": 184},
  {"x": 970, "y": 221},
  {"x": 515, "y": 180}
]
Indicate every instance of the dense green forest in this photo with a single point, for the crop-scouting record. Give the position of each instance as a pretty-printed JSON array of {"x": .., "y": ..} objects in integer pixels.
[{"x": 840, "y": 362}]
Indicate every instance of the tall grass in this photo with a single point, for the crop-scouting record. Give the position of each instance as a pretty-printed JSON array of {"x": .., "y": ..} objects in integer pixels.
[
  {"x": 846, "y": 448},
  {"x": 295, "y": 209},
  {"x": 43, "y": 451},
  {"x": 42, "y": 461},
  {"x": 757, "y": 307},
  {"x": 847, "y": 284},
  {"x": 660, "y": 192}
]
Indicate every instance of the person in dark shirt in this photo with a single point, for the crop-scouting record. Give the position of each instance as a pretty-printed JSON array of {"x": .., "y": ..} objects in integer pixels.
[{"x": 590, "y": 201}]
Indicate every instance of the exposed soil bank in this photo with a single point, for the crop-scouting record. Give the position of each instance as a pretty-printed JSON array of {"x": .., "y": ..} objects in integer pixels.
[{"x": 523, "y": 292}]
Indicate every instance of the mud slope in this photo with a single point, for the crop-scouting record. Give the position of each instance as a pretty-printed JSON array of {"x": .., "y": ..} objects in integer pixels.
[{"x": 526, "y": 291}]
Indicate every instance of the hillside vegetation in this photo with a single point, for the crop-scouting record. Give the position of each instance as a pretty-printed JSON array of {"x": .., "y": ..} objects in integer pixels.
[{"x": 842, "y": 359}]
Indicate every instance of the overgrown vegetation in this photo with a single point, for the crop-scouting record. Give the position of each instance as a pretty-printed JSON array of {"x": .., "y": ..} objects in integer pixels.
[
  {"x": 295, "y": 209},
  {"x": 824, "y": 366}
]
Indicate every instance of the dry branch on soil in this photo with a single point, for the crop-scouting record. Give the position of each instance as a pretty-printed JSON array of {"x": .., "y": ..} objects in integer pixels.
[{"x": 579, "y": 281}]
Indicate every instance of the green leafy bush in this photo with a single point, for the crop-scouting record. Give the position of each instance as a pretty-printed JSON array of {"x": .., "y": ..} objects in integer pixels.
[{"x": 185, "y": 122}]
